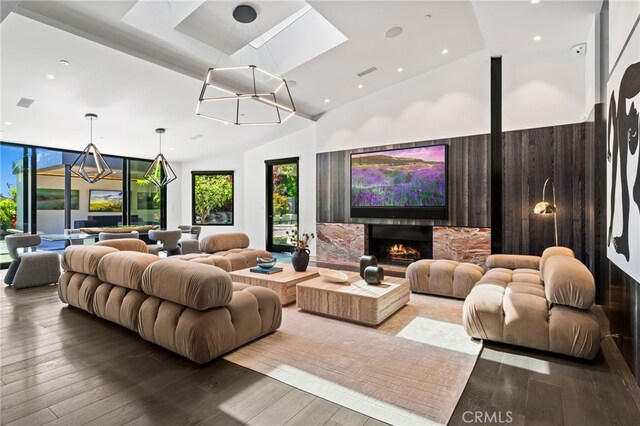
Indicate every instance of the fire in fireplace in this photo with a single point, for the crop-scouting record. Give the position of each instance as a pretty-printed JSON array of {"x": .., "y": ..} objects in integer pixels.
[
  {"x": 401, "y": 253},
  {"x": 400, "y": 244}
]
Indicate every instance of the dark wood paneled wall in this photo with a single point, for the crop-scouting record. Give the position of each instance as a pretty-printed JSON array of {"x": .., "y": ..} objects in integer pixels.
[
  {"x": 529, "y": 157},
  {"x": 469, "y": 192}
]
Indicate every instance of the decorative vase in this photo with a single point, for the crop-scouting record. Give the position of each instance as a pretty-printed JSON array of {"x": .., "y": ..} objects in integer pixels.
[
  {"x": 300, "y": 259},
  {"x": 373, "y": 274},
  {"x": 367, "y": 261}
]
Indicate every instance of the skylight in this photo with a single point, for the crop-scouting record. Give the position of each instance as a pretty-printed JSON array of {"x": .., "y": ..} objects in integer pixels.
[{"x": 268, "y": 35}]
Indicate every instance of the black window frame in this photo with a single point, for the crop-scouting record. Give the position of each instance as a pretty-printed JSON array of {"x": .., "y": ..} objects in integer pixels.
[{"x": 195, "y": 173}]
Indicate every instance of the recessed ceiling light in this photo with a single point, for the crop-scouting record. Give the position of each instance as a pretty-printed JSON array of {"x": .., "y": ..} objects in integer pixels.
[
  {"x": 360, "y": 86},
  {"x": 537, "y": 38},
  {"x": 172, "y": 149},
  {"x": 291, "y": 83},
  {"x": 7, "y": 123},
  {"x": 428, "y": 16},
  {"x": 327, "y": 101},
  {"x": 50, "y": 77},
  {"x": 64, "y": 62},
  {"x": 400, "y": 69},
  {"x": 393, "y": 32},
  {"x": 535, "y": 1},
  {"x": 445, "y": 51}
]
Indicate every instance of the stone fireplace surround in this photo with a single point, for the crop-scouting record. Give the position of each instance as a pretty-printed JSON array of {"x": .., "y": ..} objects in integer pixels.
[{"x": 347, "y": 242}]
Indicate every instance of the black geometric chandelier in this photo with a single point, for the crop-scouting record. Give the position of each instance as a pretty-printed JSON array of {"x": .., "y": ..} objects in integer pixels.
[
  {"x": 245, "y": 94},
  {"x": 90, "y": 165},
  {"x": 160, "y": 171}
]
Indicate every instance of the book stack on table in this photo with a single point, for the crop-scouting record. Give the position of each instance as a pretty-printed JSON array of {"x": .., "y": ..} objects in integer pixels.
[{"x": 269, "y": 271}]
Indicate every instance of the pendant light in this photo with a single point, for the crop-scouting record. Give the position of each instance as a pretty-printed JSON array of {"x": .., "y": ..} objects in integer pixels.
[
  {"x": 90, "y": 165},
  {"x": 245, "y": 94},
  {"x": 160, "y": 172}
]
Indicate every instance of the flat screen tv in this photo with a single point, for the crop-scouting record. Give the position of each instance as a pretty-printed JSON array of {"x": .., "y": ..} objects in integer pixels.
[
  {"x": 409, "y": 183},
  {"x": 105, "y": 200}
]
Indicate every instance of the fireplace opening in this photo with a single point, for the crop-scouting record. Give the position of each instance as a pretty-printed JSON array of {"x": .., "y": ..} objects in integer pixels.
[{"x": 400, "y": 244}]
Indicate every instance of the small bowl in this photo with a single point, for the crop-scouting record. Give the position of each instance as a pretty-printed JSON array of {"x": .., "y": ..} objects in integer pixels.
[
  {"x": 333, "y": 276},
  {"x": 266, "y": 262}
]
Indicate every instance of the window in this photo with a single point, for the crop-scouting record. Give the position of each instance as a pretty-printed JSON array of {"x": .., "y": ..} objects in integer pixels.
[{"x": 212, "y": 198}]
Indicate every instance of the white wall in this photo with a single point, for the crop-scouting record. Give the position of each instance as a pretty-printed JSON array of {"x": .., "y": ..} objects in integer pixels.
[
  {"x": 592, "y": 67},
  {"x": 301, "y": 144},
  {"x": 231, "y": 161},
  {"x": 175, "y": 199},
  {"x": 452, "y": 100},
  {"x": 539, "y": 89},
  {"x": 542, "y": 89}
]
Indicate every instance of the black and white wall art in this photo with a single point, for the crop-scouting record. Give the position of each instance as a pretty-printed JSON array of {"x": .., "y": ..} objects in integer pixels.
[{"x": 623, "y": 154}]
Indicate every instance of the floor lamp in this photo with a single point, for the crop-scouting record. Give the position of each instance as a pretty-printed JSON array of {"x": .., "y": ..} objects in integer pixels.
[{"x": 546, "y": 207}]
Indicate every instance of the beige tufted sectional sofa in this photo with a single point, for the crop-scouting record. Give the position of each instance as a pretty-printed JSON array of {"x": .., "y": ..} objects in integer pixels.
[
  {"x": 229, "y": 251},
  {"x": 544, "y": 303},
  {"x": 190, "y": 308}
]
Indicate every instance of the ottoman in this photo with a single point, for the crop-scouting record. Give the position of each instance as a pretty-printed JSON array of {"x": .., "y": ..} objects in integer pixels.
[{"x": 443, "y": 277}]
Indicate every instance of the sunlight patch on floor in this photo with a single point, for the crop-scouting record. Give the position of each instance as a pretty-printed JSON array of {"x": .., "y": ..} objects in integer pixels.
[
  {"x": 518, "y": 361},
  {"x": 346, "y": 397},
  {"x": 441, "y": 334}
]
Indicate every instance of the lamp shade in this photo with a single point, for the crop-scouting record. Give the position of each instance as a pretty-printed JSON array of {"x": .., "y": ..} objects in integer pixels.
[{"x": 544, "y": 207}]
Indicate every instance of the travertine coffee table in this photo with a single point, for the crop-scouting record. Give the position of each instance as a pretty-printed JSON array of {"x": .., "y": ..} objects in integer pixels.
[
  {"x": 354, "y": 301},
  {"x": 283, "y": 283}
]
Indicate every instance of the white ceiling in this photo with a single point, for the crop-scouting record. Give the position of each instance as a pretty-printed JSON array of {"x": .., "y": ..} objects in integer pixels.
[
  {"x": 132, "y": 98},
  {"x": 139, "y": 64}
]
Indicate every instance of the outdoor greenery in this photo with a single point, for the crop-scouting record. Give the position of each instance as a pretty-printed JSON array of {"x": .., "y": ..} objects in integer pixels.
[
  {"x": 285, "y": 187},
  {"x": 212, "y": 193},
  {"x": 8, "y": 207}
]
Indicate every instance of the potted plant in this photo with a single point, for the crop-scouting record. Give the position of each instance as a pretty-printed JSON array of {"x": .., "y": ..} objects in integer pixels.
[{"x": 300, "y": 257}]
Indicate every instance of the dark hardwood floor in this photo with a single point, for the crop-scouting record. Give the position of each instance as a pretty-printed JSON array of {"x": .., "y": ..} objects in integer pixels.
[{"x": 62, "y": 366}]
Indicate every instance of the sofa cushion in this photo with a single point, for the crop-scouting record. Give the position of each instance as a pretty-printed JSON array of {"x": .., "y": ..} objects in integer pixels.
[
  {"x": 125, "y": 244},
  {"x": 574, "y": 332},
  {"x": 125, "y": 268},
  {"x": 191, "y": 284},
  {"x": 568, "y": 282},
  {"x": 219, "y": 242},
  {"x": 554, "y": 251},
  {"x": 513, "y": 261},
  {"x": 84, "y": 259}
]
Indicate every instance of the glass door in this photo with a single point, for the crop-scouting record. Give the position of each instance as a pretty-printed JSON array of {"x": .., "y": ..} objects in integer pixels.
[
  {"x": 15, "y": 191},
  {"x": 282, "y": 204}
]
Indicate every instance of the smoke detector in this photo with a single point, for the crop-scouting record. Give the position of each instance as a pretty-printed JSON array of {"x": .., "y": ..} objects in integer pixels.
[{"x": 579, "y": 49}]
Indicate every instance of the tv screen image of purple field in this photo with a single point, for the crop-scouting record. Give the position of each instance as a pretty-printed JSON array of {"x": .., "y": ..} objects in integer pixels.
[{"x": 412, "y": 177}]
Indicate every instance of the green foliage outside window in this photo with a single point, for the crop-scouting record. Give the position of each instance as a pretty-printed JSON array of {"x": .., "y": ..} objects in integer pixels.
[
  {"x": 213, "y": 194},
  {"x": 8, "y": 206}
]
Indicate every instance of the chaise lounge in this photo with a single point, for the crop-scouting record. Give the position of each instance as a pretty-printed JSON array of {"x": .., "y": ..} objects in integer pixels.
[{"x": 543, "y": 303}]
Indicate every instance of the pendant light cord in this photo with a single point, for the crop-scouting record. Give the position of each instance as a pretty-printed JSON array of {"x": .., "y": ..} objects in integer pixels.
[
  {"x": 160, "y": 134},
  {"x": 224, "y": 47}
]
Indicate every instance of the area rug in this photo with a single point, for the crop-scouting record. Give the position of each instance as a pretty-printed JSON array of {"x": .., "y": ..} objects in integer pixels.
[{"x": 410, "y": 370}]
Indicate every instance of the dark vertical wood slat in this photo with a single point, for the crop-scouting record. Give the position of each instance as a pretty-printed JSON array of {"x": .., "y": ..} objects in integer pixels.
[{"x": 496, "y": 180}]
